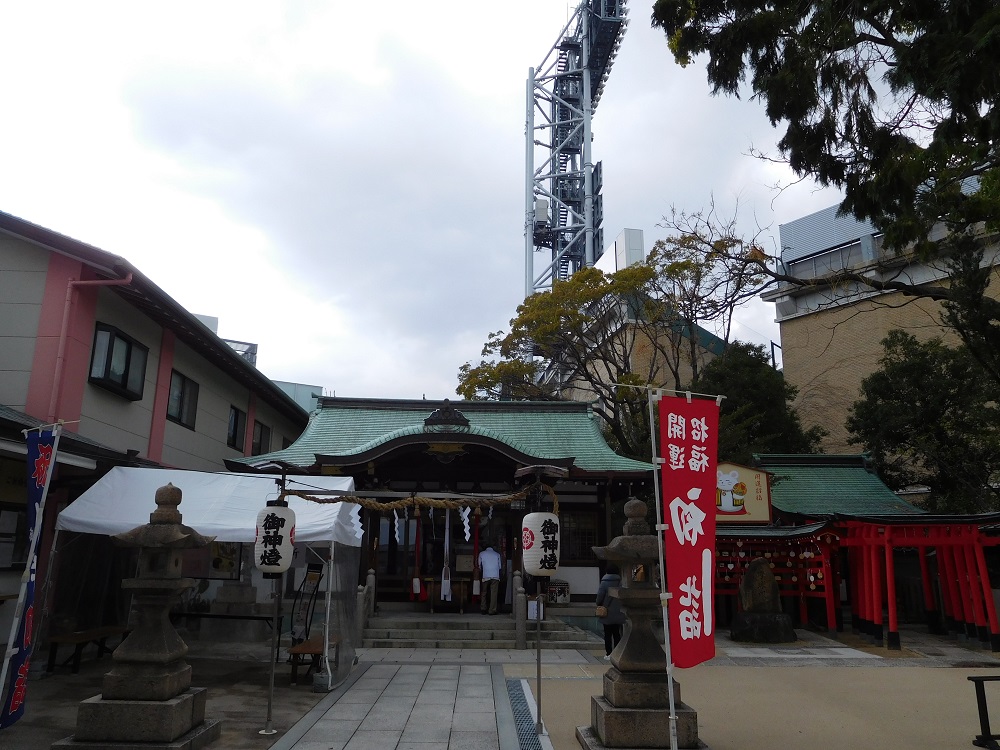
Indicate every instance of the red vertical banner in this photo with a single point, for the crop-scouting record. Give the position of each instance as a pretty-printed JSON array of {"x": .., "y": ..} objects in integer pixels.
[{"x": 689, "y": 446}]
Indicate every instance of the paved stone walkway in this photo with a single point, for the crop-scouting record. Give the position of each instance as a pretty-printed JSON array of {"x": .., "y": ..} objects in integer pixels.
[
  {"x": 424, "y": 699},
  {"x": 430, "y": 699},
  {"x": 410, "y": 707}
]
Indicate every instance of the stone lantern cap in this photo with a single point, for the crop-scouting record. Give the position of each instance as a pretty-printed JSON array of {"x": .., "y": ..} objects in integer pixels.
[{"x": 164, "y": 529}]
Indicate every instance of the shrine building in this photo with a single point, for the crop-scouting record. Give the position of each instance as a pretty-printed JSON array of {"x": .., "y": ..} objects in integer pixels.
[
  {"x": 467, "y": 450},
  {"x": 837, "y": 538}
]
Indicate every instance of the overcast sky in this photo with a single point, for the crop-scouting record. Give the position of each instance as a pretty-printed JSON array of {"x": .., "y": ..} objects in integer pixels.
[{"x": 343, "y": 183}]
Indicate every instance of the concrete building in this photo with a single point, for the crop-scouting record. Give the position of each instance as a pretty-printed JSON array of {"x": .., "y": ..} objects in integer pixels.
[
  {"x": 86, "y": 338},
  {"x": 831, "y": 339},
  {"x": 660, "y": 352}
]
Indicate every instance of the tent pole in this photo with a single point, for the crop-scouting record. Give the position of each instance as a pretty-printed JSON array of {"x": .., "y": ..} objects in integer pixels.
[
  {"x": 329, "y": 599},
  {"x": 276, "y": 593}
]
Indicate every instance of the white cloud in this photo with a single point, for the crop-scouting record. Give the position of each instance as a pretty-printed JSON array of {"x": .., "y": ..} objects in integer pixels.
[{"x": 343, "y": 183}]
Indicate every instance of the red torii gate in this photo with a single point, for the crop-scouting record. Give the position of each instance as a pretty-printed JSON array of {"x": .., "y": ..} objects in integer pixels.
[{"x": 966, "y": 594}]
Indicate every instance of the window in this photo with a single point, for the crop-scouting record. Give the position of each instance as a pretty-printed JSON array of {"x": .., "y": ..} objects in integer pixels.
[
  {"x": 827, "y": 262},
  {"x": 182, "y": 404},
  {"x": 578, "y": 533},
  {"x": 261, "y": 439},
  {"x": 13, "y": 536},
  {"x": 237, "y": 428},
  {"x": 118, "y": 362}
]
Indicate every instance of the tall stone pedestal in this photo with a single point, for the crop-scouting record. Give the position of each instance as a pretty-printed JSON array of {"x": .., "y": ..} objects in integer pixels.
[
  {"x": 175, "y": 724},
  {"x": 147, "y": 702},
  {"x": 634, "y": 711}
]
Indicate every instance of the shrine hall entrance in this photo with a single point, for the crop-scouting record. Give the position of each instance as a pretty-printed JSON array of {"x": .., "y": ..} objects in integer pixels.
[{"x": 420, "y": 545}]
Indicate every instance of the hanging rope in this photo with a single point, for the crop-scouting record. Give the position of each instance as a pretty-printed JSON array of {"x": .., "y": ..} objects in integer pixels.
[{"x": 416, "y": 501}]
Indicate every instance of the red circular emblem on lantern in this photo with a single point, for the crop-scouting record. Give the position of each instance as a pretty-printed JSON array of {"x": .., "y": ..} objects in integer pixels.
[{"x": 527, "y": 538}]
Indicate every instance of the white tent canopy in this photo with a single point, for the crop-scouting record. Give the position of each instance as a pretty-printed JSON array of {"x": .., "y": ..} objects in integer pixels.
[{"x": 221, "y": 505}]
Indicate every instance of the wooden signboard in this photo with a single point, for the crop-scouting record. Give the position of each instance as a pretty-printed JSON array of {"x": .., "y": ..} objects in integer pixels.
[{"x": 742, "y": 495}]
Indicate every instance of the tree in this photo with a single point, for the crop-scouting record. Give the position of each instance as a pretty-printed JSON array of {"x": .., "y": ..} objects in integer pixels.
[
  {"x": 897, "y": 103},
  {"x": 504, "y": 377},
  {"x": 575, "y": 341},
  {"x": 602, "y": 337},
  {"x": 929, "y": 417},
  {"x": 704, "y": 270},
  {"x": 755, "y": 416}
]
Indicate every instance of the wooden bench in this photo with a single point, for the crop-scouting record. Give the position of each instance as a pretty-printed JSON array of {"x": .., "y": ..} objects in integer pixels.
[
  {"x": 314, "y": 649},
  {"x": 267, "y": 619},
  {"x": 80, "y": 639}
]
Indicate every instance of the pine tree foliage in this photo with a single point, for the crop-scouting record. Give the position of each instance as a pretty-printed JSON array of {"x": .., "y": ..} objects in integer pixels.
[
  {"x": 930, "y": 417},
  {"x": 756, "y": 415},
  {"x": 896, "y": 102}
]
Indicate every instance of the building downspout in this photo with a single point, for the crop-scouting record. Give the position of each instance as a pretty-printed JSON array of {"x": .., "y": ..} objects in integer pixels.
[{"x": 64, "y": 335}]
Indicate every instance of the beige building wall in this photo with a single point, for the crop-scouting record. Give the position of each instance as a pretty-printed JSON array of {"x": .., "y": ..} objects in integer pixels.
[
  {"x": 831, "y": 339},
  {"x": 827, "y": 354},
  {"x": 205, "y": 447},
  {"x": 107, "y": 417},
  {"x": 643, "y": 356},
  {"x": 282, "y": 431},
  {"x": 645, "y": 352},
  {"x": 122, "y": 424}
]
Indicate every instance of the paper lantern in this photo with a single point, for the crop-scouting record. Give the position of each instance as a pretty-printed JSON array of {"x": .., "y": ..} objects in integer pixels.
[
  {"x": 540, "y": 544},
  {"x": 275, "y": 540}
]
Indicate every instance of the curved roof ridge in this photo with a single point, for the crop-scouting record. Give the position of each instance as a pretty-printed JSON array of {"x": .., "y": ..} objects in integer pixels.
[
  {"x": 420, "y": 429},
  {"x": 343, "y": 428}
]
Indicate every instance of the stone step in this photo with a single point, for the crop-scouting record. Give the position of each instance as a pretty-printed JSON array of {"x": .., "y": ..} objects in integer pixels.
[
  {"x": 386, "y": 634},
  {"x": 449, "y": 630},
  {"x": 586, "y": 645},
  {"x": 469, "y": 622},
  {"x": 570, "y": 638}
]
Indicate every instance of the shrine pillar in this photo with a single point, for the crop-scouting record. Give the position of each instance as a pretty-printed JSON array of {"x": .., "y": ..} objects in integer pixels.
[
  {"x": 892, "y": 638},
  {"x": 931, "y": 612},
  {"x": 975, "y": 588},
  {"x": 991, "y": 610},
  {"x": 964, "y": 590}
]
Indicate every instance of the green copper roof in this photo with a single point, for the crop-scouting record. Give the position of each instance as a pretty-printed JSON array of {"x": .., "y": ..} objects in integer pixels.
[
  {"x": 734, "y": 531},
  {"x": 544, "y": 430},
  {"x": 829, "y": 485}
]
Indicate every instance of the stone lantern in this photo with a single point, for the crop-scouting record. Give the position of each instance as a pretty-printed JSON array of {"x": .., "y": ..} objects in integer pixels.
[
  {"x": 147, "y": 699},
  {"x": 634, "y": 710}
]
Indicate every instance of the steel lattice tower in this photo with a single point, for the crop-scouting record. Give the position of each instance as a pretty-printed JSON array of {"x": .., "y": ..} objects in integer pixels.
[{"x": 562, "y": 202}]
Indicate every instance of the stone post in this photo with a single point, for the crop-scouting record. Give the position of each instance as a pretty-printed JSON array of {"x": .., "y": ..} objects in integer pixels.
[
  {"x": 360, "y": 615},
  {"x": 370, "y": 585},
  {"x": 520, "y": 613}
]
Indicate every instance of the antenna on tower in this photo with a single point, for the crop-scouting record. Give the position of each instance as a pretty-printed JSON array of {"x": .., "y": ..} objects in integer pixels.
[{"x": 563, "y": 206}]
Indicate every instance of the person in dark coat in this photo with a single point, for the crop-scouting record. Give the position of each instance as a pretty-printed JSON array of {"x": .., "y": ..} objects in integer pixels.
[{"x": 615, "y": 618}]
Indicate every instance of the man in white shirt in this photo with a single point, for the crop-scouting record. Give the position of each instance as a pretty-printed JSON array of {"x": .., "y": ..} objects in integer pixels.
[{"x": 489, "y": 568}]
